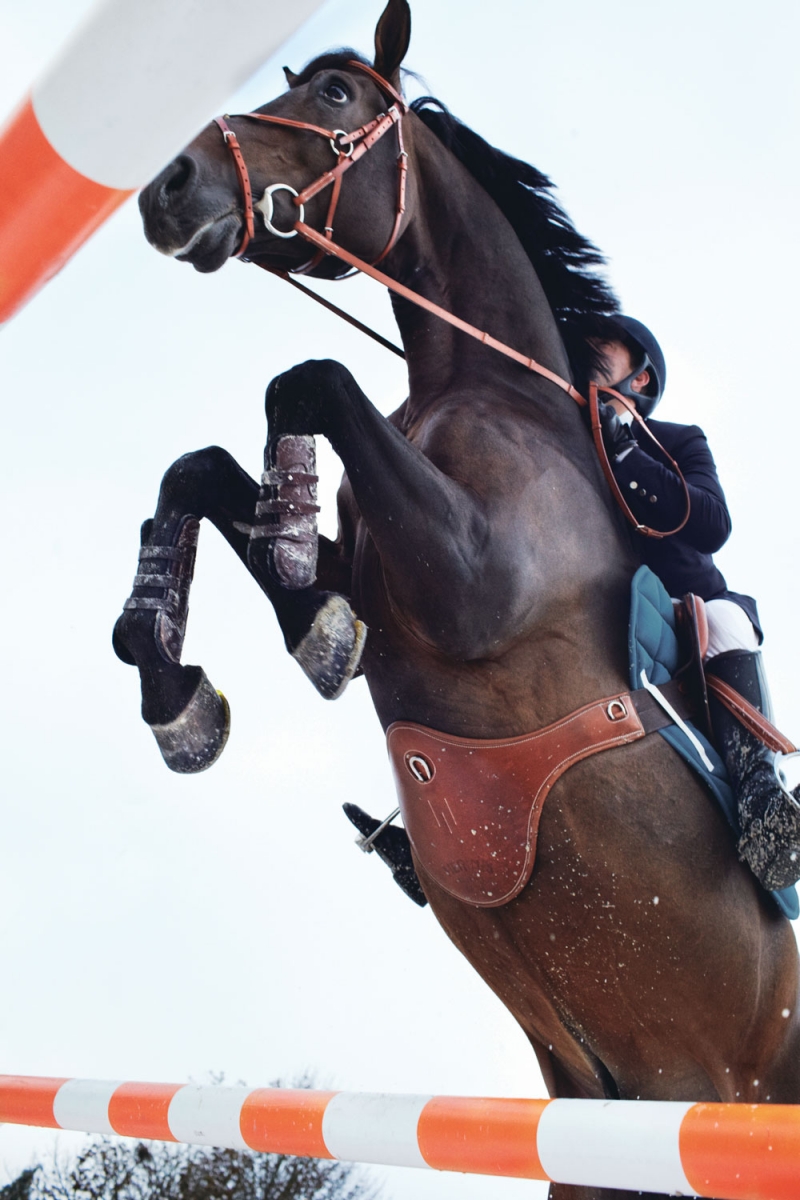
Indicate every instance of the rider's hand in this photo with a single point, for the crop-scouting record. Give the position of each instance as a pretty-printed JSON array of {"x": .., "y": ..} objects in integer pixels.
[{"x": 618, "y": 437}]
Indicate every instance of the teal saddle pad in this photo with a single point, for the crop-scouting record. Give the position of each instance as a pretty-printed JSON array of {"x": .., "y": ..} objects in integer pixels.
[{"x": 653, "y": 645}]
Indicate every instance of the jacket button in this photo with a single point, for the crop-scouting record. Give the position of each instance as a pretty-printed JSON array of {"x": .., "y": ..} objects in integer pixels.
[
  {"x": 653, "y": 499},
  {"x": 633, "y": 485},
  {"x": 642, "y": 491}
]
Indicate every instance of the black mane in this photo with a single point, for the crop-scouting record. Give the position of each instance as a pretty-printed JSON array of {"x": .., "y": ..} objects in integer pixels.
[{"x": 564, "y": 260}]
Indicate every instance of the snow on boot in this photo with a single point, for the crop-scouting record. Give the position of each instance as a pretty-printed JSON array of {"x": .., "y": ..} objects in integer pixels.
[{"x": 769, "y": 813}]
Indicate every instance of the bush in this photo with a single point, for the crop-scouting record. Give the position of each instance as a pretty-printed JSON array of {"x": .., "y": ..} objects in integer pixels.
[{"x": 110, "y": 1169}]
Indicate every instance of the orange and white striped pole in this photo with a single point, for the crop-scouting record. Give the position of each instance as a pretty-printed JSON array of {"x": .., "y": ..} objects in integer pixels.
[
  {"x": 729, "y": 1151},
  {"x": 132, "y": 87}
]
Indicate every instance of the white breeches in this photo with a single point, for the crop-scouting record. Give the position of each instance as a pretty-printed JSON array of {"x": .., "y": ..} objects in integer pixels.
[{"x": 729, "y": 628}]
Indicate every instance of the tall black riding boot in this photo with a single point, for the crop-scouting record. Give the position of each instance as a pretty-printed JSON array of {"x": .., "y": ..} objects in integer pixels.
[
  {"x": 769, "y": 813},
  {"x": 189, "y": 718}
]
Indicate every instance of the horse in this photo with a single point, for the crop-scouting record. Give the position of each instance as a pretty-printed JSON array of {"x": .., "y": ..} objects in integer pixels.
[{"x": 479, "y": 545}]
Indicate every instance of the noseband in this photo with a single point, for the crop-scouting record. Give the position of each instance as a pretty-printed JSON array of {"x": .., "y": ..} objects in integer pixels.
[{"x": 348, "y": 148}]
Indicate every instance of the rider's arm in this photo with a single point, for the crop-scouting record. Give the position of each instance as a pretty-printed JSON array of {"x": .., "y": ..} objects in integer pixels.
[{"x": 655, "y": 494}]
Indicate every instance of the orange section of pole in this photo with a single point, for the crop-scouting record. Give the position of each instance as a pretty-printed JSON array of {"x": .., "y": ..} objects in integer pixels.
[
  {"x": 47, "y": 210},
  {"x": 484, "y": 1137},
  {"x": 285, "y": 1121},
  {"x": 742, "y": 1151},
  {"x": 142, "y": 1110},
  {"x": 26, "y": 1100}
]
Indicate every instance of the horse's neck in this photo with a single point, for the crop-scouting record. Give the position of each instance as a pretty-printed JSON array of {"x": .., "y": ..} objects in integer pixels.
[{"x": 460, "y": 252}]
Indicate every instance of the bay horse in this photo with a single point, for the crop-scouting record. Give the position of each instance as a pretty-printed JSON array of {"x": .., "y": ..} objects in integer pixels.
[{"x": 480, "y": 547}]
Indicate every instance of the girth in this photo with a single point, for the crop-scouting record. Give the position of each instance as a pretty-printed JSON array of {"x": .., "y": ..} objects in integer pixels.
[{"x": 471, "y": 806}]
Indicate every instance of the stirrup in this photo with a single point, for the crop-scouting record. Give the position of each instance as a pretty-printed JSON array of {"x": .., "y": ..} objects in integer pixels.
[
  {"x": 286, "y": 511},
  {"x": 172, "y": 606}
]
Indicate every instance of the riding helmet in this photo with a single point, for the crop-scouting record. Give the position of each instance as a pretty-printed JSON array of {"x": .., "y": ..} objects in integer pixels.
[{"x": 651, "y": 358}]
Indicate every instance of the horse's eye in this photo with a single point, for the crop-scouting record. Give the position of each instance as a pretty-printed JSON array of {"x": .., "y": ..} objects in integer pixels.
[{"x": 335, "y": 92}]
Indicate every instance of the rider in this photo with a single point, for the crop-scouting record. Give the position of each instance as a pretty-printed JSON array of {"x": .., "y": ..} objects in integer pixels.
[
  {"x": 633, "y": 364},
  {"x": 769, "y": 813}
]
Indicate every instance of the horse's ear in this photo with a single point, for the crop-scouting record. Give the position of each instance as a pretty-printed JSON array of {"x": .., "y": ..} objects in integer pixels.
[
  {"x": 392, "y": 35},
  {"x": 291, "y": 77}
]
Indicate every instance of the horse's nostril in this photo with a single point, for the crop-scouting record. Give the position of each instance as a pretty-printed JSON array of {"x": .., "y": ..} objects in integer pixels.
[{"x": 177, "y": 175}]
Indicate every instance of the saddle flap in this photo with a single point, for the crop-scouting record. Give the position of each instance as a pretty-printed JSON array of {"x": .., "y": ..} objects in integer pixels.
[{"x": 471, "y": 807}]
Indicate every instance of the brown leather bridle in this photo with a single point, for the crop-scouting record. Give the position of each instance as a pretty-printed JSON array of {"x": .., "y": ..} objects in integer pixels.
[{"x": 349, "y": 148}]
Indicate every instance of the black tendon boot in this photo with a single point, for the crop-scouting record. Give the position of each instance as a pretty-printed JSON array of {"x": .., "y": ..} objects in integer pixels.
[
  {"x": 393, "y": 848},
  {"x": 190, "y": 720},
  {"x": 283, "y": 545},
  {"x": 769, "y": 814},
  {"x": 283, "y": 537}
]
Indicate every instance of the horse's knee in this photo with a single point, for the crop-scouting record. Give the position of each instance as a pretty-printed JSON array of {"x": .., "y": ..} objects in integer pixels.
[{"x": 190, "y": 478}]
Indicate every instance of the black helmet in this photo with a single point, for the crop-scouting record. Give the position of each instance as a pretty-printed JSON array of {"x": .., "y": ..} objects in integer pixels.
[{"x": 646, "y": 353}]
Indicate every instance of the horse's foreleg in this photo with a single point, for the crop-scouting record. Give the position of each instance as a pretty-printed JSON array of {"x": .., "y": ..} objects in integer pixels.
[
  {"x": 282, "y": 554},
  {"x": 430, "y": 531},
  {"x": 188, "y": 717}
]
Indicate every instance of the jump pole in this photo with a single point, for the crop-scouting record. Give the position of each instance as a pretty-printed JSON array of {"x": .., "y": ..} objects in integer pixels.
[
  {"x": 729, "y": 1151},
  {"x": 134, "y": 84}
]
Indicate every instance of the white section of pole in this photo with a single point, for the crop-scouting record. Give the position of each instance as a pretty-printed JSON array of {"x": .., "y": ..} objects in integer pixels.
[
  {"x": 376, "y": 1128},
  {"x": 630, "y": 1144},
  {"x": 141, "y": 77},
  {"x": 208, "y": 1116}
]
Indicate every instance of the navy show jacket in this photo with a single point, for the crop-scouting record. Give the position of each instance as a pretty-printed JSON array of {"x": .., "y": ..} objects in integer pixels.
[{"x": 684, "y": 561}]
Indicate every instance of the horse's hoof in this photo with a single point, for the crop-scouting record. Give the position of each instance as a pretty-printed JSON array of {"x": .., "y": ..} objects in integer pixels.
[
  {"x": 283, "y": 537},
  {"x": 197, "y": 736},
  {"x": 331, "y": 650}
]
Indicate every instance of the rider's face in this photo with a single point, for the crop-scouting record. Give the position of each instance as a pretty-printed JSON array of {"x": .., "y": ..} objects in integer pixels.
[{"x": 618, "y": 366}]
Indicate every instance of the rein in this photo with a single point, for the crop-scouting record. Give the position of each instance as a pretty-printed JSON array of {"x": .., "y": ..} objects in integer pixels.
[{"x": 349, "y": 148}]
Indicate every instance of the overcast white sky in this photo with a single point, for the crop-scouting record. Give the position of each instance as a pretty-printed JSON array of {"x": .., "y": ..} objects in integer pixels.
[{"x": 159, "y": 927}]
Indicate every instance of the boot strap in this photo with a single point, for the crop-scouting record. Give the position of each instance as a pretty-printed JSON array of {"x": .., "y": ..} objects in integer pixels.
[
  {"x": 292, "y": 508},
  {"x": 175, "y": 582},
  {"x": 277, "y": 477},
  {"x": 749, "y": 716}
]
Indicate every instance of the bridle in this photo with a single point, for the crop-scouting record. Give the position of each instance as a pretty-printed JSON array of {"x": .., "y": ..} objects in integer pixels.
[{"x": 349, "y": 148}]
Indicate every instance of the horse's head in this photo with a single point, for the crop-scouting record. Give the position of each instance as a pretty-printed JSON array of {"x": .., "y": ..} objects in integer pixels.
[{"x": 195, "y": 210}]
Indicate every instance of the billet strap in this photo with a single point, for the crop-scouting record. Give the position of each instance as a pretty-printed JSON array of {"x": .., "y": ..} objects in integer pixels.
[
  {"x": 651, "y": 713},
  {"x": 748, "y": 715},
  {"x": 597, "y": 435}
]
